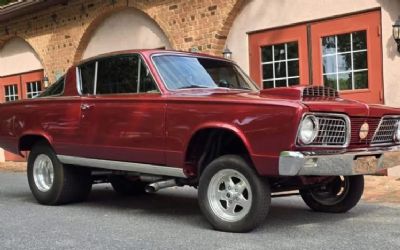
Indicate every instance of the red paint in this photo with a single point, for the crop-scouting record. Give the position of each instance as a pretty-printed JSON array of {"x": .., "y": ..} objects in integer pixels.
[
  {"x": 278, "y": 36},
  {"x": 370, "y": 21},
  {"x": 157, "y": 128},
  {"x": 21, "y": 81}
]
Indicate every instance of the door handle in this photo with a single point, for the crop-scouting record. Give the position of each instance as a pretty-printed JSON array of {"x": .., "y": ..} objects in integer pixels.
[{"x": 85, "y": 106}]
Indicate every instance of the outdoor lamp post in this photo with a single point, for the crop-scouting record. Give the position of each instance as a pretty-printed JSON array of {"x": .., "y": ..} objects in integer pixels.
[
  {"x": 227, "y": 54},
  {"x": 45, "y": 82},
  {"x": 396, "y": 33}
]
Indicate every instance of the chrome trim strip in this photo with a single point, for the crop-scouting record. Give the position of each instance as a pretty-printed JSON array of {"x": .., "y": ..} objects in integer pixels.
[
  {"x": 122, "y": 166},
  {"x": 348, "y": 134},
  {"x": 96, "y": 66},
  {"x": 292, "y": 163}
]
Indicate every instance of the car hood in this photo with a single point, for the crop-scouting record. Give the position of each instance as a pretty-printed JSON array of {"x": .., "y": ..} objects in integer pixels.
[{"x": 315, "y": 99}]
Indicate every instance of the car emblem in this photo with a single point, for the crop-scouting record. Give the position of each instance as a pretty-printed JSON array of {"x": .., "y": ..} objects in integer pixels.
[{"x": 364, "y": 131}]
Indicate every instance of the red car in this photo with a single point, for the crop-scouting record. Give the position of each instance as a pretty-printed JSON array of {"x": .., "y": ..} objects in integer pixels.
[{"x": 146, "y": 120}]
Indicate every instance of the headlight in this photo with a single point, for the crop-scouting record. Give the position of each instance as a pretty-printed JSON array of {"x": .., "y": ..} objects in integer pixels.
[
  {"x": 308, "y": 129},
  {"x": 397, "y": 132}
]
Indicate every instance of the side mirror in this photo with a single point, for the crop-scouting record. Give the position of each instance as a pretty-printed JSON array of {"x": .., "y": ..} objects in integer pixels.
[{"x": 223, "y": 83}]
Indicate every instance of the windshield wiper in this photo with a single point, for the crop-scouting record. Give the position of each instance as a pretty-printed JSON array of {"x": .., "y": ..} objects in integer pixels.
[{"x": 193, "y": 86}]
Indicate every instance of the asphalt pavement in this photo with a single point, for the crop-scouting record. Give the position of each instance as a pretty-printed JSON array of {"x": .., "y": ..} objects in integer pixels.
[{"x": 171, "y": 219}]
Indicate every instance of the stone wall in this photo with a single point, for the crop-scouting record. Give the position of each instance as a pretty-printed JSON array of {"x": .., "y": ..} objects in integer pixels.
[{"x": 60, "y": 34}]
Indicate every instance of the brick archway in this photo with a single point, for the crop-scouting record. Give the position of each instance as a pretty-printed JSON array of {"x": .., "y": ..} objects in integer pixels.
[
  {"x": 5, "y": 40},
  {"x": 101, "y": 17}
]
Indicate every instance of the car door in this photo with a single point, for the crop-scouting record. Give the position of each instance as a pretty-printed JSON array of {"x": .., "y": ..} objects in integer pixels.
[{"x": 124, "y": 117}]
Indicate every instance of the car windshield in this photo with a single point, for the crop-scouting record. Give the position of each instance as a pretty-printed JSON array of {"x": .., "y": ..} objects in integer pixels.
[{"x": 184, "y": 72}]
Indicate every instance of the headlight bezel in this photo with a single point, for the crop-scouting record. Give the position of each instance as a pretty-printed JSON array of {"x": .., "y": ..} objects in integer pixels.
[{"x": 314, "y": 120}]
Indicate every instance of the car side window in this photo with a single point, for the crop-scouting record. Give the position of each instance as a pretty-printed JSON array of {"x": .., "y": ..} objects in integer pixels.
[
  {"x": 87, "y": 76},
  {"x": 55, "y": 89},
  {"x": 118, "y": 74},
  {"x": 146, "y": 83}
]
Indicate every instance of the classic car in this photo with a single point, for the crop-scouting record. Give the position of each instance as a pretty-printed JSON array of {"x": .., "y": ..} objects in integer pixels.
[{"x": 144, "y": 120}]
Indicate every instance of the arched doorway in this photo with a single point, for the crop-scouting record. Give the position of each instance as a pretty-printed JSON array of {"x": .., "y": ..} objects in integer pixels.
[
  {"x": 125, "y": 30},
  {"x": 21, "y": 76}
]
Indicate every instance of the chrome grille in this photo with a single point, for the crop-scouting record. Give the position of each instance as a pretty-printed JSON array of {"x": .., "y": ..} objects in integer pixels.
[
  {"x": 332, "y": 131},
  {"x": 319, "y": 92},
  {"x": 385, "y": 132}
]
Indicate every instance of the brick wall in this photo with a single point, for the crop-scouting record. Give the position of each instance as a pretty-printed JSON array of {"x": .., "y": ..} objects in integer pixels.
[{"x": 61, "y": 33}]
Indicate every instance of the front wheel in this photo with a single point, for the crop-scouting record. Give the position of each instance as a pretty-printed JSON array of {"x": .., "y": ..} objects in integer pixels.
[
  {"x": 232, "y": 196},
  {"x": 338, "y": 196}
]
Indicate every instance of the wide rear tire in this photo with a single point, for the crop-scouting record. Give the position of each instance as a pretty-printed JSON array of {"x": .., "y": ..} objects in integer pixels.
[
  {"x": 338, "y": 196},
  {"x": 232, "y": 196},
  {"x": 53, "y": 183}
]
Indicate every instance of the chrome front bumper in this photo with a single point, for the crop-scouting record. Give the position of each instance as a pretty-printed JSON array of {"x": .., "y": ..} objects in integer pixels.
[{"x": 292, "y": 163}]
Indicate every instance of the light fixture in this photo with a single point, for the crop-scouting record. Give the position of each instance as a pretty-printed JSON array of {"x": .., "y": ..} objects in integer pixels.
[
  {"x": 396, "y": 33},
  {"x": 45, "y": 82},
  {"x": 227, "y": 53}
]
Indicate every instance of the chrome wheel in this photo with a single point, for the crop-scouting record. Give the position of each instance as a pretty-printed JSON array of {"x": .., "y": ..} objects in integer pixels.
[
  {"x": 43, "y": 172},
  {"x": 333, "y": 193},
  {"x": 229, "y": 195}
]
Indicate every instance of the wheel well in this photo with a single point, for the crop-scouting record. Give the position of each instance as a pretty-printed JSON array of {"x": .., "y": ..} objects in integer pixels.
[
  {"x": 208, "y": 144},
  {"x": 27, "y": 141}
]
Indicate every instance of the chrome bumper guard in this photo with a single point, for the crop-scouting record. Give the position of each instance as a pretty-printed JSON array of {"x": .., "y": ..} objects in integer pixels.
[{"x": 292, "y": 163}]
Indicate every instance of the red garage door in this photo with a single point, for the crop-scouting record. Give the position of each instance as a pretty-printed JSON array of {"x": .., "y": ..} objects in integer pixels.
[
  {"x": 17, "y": 87},
  {"x": 343, "y": 53}
]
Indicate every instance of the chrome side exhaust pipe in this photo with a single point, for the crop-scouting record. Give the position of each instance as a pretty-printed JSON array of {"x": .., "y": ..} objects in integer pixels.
[{"x": 155, "y": 186}]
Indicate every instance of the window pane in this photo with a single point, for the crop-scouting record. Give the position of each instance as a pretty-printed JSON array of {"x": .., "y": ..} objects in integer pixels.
[
  {"x": 343, "y": 43},
  {"x": 330, "y": 81},
  {"x": 280, "y": 83},
  {"x": 360, "y": 60},
  {"x": 279, "y": 52},
  {"x": 293, "y": 68},
  {"x": 55, "y": 89},
  {"x": 344, "y": 62},
  {"x": 268, "y": 72},
  {"x": 359, "y": 40},
  {"x": 292, "y": 50},
  {"x": 268, "y": 84},
  {"x": 117, "y": 74},
  {"x": 345, "y": 81},
  {"x": 361, "y": 80},
  {"x": 329, "y": 64},
  {"x": 328, "y": 45},
  {"x": 147, "y": 84},
  {"x": 87, "y": 71},
  {"x": 294, "y": 81},
  {"x": 266, "y": 54},
  {"x": 280, "y": 69}
]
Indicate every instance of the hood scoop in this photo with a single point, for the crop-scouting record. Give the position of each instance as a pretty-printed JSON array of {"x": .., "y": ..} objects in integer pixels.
[
  {"x": 320, "y": 92},
  {"x": 302, "y": 93}
]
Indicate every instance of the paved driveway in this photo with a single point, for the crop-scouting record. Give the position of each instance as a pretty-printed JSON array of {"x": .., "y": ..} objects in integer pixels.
[{"x": 171, "y": 219}]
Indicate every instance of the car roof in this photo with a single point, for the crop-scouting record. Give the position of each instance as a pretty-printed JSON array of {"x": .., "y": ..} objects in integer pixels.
[{"x": 149, "y": 53}]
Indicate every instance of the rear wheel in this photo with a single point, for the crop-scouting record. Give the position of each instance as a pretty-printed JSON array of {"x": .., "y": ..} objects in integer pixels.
[
  {"x": 52, "y": 182},
  {"x": 232, "y": 196},
  {"x": 338, "y": 196},
  {"x": 125, "y": 186}
]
